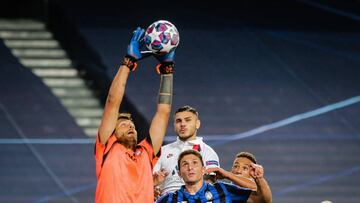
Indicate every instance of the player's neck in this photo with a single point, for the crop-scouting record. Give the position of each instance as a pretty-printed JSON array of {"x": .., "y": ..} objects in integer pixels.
[
  {"x": 191, "y": 138},
  {"x": 128, "y": 145},
  {"x": 193, "y": 188}
]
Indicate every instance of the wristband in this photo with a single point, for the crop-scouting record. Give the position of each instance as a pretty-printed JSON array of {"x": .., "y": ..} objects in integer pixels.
[
  {"x": 129, "y": 62},
  {"x": 165, "y": 68}
]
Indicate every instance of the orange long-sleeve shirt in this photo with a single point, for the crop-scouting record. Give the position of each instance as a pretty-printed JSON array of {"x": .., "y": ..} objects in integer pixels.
[{"x": 124, "y": 176}]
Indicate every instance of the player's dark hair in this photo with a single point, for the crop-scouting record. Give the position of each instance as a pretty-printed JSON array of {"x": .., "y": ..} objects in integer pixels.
[
  {"x": 187, "y": 109},
  {"x": 125, "y": 116},
  {"x": 187, "y": 152},
  {"x": 247, "y": 155}
]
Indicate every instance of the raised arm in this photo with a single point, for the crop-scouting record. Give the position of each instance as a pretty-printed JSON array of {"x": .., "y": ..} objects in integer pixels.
[
  {"x": 113, "y": 101},
  {"x": 117, "y": 88},
  {"x": 237, "y": 180},
  {"x": 161, "y": 119},
  {"x": 263, "y": 193}
]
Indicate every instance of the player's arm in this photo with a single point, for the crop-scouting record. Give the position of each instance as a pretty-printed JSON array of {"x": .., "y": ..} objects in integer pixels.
[
  {"x": 263, "y": 193},
  {"x": 211, "y": 158},
  {"x": 159, "y": 176},
  {"x": 117, "y": 88},
  {"x": 157, "y": 168},
  {"x": 160, "y": 121},
  {"x": 237, "y": 180},
  {"x": 113, "y": 101}
]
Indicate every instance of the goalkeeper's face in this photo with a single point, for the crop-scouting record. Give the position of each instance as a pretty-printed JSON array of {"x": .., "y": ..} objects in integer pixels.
[
  {"x": 186, "y": 125},
  {"x": 125, "y": 131}
]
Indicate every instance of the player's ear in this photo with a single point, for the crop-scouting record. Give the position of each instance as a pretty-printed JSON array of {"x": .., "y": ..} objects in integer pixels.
[
  {"x": 198, "y": 124},
  {"x": 178, "y": 171},
  {"x": 203, "y": 170}
]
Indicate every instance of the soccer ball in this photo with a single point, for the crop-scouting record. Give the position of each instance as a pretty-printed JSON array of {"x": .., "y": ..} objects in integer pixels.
[{"x": 161, "y": 37}]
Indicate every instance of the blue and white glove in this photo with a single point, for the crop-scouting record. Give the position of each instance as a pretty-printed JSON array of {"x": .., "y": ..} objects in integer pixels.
[
  {"x": 166, "y": 65},
  {"x": 133, "y": 49},
  {"x": 133, "y": 54}
]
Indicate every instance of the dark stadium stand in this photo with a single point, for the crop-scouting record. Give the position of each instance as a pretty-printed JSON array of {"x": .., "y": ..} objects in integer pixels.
[
  {"x": 30, "y": 103},
  {"x": 257, "y": 64},
  {"x": 36, "y": 172}
]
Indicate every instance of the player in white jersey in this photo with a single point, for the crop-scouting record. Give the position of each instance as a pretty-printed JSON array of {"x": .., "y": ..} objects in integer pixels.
[{"x": 186, "y": 124}]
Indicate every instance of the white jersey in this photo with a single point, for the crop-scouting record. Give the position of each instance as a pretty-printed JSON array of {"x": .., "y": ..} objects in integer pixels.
[{"x": 169, "y": 157}]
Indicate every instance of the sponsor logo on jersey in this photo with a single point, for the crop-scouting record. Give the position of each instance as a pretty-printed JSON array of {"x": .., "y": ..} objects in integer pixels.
[
  {"x": 137, "y": 153},
  {"x": 208, "y": 195},
  {"x": 212, "y": 162}
]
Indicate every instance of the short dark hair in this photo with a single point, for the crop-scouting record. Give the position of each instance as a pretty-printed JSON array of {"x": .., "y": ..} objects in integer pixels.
[
  {"x": 247, "y": 155},
  {"x": 187, "y": 152},
  {"x": 125, "y": 116},
  {"x": 188, "y": 109}
]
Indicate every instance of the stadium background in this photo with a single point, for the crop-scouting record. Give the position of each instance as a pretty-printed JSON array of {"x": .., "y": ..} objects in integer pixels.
[{"x": 280, "y": 79}]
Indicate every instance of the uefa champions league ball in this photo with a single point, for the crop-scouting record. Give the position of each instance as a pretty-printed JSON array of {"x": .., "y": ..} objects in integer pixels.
[{"x": 161, "y": 37}]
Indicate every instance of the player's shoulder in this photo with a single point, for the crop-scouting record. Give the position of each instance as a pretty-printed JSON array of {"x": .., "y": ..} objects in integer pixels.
[
  {"x": 225, "y": 185},
  {"x": 232, "y": 188},
  {"x": 210, "y": 156},
  {"x": 169, "y": 146},
  {"x": 209, "y": 149},
  {"x": 165, "y": 197},
  {"x": 200, "y": 139}
]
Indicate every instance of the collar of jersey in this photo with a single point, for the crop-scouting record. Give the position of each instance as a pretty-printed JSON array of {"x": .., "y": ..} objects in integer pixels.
[
  {"x": 197, "y": 195},
  {"x": 198, "y": 140}
]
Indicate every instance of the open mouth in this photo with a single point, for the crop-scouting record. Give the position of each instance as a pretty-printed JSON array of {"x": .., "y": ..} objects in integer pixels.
[{"x": 191, "y": 174}]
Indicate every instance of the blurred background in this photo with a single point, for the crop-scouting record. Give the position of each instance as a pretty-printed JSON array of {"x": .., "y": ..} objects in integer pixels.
[{"x": 280, "y": 79}]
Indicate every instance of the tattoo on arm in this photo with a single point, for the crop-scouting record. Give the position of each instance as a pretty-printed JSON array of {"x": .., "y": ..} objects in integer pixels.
[{"x": 166, "y": 89}]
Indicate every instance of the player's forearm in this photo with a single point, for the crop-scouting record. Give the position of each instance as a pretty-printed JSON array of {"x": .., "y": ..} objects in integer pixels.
[
  {"x": 160, "y": 121},
  {"x": 112, "y": 105},
  {"x": 263, "y": 190},
  {"x": 242, "y": 181},
  {"x": 165, "y": 92},
  {"x": 117, "y": 88}
]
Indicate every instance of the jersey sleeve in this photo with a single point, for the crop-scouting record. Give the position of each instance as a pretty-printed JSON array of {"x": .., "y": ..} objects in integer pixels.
[
  {"x": 158, "y": 164},
  {"x": 211, "y": 159},
  {"x": 238, "y": 194},
  {"x": 146, "y": 144},
  {"x": 165, "y": 198},
  {"x": 101, "y": 151}
]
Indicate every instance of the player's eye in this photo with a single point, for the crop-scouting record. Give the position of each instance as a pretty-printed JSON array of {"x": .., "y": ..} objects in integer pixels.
[
  {"x": 195, "y": 163},
  {"x": 184, "y": 164}
]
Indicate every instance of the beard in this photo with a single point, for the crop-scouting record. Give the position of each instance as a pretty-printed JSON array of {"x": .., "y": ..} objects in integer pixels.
[{"x": 127, "y": 141}]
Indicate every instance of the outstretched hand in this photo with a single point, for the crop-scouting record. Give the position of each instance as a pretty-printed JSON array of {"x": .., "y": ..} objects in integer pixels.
[
  {"x": 136, "y": 44},
  {"x": 220, "y": 173},
  {"x": 256, "y": 171},
  {"x": 166, "y": 65},
  {"x": 166, "y": 58},
  {"x": 159, "y": 176}
]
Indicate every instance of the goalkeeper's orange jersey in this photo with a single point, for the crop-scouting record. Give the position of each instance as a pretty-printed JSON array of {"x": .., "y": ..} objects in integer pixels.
[{"x": 123, "y": 175}]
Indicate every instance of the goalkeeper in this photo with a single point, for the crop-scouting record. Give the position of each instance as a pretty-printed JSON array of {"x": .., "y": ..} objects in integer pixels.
[{"x": 123, "y": 167}]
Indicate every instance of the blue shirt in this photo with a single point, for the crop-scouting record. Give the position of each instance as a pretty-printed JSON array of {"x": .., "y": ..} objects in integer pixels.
[{"x": 219, "y": 192}]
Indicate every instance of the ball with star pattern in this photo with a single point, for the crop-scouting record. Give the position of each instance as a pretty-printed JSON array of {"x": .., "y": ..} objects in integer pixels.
[{"x": 161, "y": 37}]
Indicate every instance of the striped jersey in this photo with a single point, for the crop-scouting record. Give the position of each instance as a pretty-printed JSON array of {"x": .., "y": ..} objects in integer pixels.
[{"x": 218, "y": 192}]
